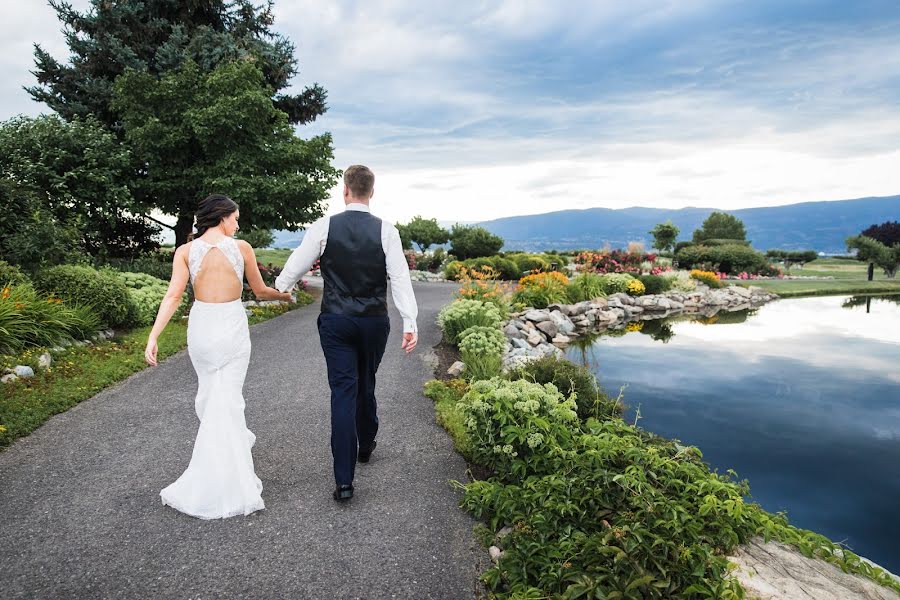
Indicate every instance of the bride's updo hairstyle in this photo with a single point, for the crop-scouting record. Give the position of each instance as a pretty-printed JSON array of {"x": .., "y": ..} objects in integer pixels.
[{"x": 212, "y": 210}]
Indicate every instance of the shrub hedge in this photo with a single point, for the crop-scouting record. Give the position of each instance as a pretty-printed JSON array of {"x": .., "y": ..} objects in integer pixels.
[{"x": 102, "y": 290}]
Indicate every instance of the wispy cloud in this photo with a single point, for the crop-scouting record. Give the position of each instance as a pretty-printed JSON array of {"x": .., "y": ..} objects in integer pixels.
[{"x": 477, "y": 110}]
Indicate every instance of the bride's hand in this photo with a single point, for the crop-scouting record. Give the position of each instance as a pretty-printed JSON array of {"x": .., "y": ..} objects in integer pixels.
[
  {"x": 150, "y": 352},
  {"x": 287, "y": 297}
]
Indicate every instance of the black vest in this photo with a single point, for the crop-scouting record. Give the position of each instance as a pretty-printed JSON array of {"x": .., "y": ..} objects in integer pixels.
[{"x": 353, "y": 266}]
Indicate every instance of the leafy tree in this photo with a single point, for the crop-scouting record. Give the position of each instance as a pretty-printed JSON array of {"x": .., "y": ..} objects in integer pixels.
[
  {"x": 162, "y": 48},
  {"x": 405, "y": 240},
  {"x": 722, "y": 226},
  {"x": 79, "y": 171},
  {"x": 159, "y": 36},
  {"x": 876, "y": 254},
  {"x": 426, "y": 232},
  {"x": 888, "y": 233},
  {"x": 664, "y": 235},
  {"x": 473, "y": 242},
  {"x": 30, "y": 235},
  {"x": 258, "y": 238},
  {"x": 198, "y": 132}
]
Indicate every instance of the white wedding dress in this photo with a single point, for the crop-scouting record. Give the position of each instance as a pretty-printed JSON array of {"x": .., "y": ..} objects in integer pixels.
[{"x": 220, "y": 480}]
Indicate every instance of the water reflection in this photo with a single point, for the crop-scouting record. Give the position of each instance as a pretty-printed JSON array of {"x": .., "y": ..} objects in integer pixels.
[{"x": 801, "y": 397}]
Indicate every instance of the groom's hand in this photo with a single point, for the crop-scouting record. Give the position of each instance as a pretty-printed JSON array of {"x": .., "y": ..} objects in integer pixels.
[{"x": 410, "y": 339}]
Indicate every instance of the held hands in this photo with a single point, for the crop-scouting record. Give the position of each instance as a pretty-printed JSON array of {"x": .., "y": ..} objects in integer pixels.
[
  {"x": 410, "y": 339},
  {"x": 150, "y": 352}
]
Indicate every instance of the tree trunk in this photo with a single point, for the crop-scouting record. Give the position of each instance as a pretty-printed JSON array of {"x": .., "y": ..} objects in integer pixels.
[
  {"x": 871, "y": 270},
  {"x": 183, "y": 228}
]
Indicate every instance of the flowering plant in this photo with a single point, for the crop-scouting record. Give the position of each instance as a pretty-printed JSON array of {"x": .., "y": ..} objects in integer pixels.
[{"x": 708, "y": 277}]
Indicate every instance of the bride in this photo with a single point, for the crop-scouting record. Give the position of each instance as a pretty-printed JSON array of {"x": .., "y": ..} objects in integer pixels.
[{"x": 220, "y": 481}]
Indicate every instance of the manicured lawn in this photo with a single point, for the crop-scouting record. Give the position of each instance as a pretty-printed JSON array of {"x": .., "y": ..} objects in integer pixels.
[
  {"x": 849, "y": 278},
  {"x": 277, "y": 257},
  {"x": 82, "y": 372}
]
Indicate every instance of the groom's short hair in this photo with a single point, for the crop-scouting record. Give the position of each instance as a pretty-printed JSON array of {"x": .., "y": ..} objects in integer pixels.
[{"x": 360, "y": 180}]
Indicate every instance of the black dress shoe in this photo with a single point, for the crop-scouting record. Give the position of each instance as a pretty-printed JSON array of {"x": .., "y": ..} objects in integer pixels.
[
  {"x": 343, "y": 492},
  {"x": 365, "y": 455}
]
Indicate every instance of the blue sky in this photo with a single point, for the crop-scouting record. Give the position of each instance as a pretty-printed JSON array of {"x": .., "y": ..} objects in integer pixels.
[{"x": 471, "y": 111}]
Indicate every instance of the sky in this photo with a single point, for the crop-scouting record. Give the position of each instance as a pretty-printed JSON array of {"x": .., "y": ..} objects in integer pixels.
[{"x": 469, "y": 111}]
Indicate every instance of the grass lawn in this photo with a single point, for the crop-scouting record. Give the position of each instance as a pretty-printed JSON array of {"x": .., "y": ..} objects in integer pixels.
[
  {"x": 81, "y": 372},
  {"x": 849, "y": 278},
  {"x": 277, "y": 256}
]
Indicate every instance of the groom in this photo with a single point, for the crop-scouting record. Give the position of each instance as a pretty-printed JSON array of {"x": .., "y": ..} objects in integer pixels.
[{"x": 358, "y": 253}]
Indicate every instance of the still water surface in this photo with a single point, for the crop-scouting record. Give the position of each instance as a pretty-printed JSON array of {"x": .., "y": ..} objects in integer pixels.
[{"x": 801, "y": 397}]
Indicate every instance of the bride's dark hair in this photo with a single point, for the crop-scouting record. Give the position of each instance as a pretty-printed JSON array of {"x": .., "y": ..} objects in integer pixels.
[{"x": 212, "y": 210}]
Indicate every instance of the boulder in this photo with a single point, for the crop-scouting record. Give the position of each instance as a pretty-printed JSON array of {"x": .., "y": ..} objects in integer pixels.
[
  {"x": 520, "y": 343},
  {"x": 45, "y": 360},
  {"x": 23, "y": 371},
  {"x": 456, "y": 369},
  {"x": 535, "y": 338},
  {"x": 528, "y": 327},
  {"x": 740, "y": 291},
  {"x": 562, "y": 322},
  {"x": 8, "y": 378},
  {"x": 561, "y": 340},
  {"x": 537, "y": 316},
  {"x": 549, "y": 328},
  {"x": 565, "y": 309},
  {"x": 512, "y": 331},
  {"x": 599, "y": 303}
]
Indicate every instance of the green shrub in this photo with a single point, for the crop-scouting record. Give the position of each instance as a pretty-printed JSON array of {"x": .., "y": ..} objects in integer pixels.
[
  {"x": 569, "y": 379},
  {"x": 458, "y": 316},
  {"x": 11, "y": 275},
  {"x": 585, "y": 286},
  {"x": 506, "y": 268},
  {"x": 482, "y": 352},
  {"x": 29, "y": 319},
  {"x": 453, "y": 270},
  {"x": 512, "y": 423},
  {"x": 681, "y": 281},
  {"x": 446, "y": 396},
  {"x": 655, "y": 284},
  {"x": 732, "y": 258},
  {"x": 614, "y": 283},
  {"x": 158, "y": 264},
  {"x": 541, "y": 289},
  {"x": 146, "y": 293},
  {"x": 528, "y": 263},
  {"x": 104, "y": 291}
]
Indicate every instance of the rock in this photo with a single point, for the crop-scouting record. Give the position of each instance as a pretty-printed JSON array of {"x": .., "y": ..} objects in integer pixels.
[
  {"x": 512, "y": 331},
  {"x": 581, "y": 308},
  {"x": 635, "y": 310},
  {"x": 456, "y": 369},
  {"x": 599, "y": 303},
  {"x": 561, "y": 340},
  {"x": 537, "y": 316},
  {"x": 8, "y": 378},
  {"x": 562, "y": 322},
  {"x": 503, "y": 533},
  {"x": 248, "y": 312},
  {"x": 563, "y": 308},
  {"x": 45, "y": 360},
  {"x": 549, "y": 328},
  {"x": 529, "y": 326},
  {"x": 520, "y": 343},
  {"x": 535, "y": 338},
  {"x": 495, "y": 553},
  {"x": 740, "y": 291},
  {"x": 549, "y": 350},
  {"x": 23, "y": 372},
  {"x": 57, "y": 349},
  {"x": 614, "y": 303},
  {"x": 622, "y": 297}
]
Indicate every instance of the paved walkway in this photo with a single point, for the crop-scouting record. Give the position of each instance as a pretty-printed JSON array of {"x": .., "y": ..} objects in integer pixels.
[{"x": 81, "y": 515}]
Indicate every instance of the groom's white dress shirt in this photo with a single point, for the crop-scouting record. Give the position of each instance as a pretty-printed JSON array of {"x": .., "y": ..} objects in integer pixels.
[{"x": 313, "y": 245}]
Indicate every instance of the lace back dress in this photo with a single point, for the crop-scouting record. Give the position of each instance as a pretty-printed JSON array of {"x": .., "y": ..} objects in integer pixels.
[{"x": 220, "y": 480}]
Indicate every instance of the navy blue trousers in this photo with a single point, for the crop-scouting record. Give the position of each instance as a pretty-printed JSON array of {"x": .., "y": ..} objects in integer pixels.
[{"x": 353, "y": 347}]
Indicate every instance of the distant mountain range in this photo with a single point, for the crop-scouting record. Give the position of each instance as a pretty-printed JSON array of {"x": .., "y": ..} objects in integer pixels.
[{"x": 820, "y": 226}]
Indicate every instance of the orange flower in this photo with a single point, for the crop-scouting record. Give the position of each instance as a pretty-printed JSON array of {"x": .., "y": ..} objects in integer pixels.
[{"x": 5, "y": 293}]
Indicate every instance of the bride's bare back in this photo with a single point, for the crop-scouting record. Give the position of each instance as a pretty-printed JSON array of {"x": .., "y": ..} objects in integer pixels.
[{"x": 218, "y": 278}]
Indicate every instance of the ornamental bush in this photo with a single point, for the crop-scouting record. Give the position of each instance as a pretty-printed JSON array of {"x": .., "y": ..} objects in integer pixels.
[
  {"x": 635, "y": 288},
  {"x": 146, "y": 293},
  {"x": 104, "y": 291},
  {"x": 729, "y": 258},
  {"x": 530, "y": 263},
  {"x": 458, "y": 316},
  {"x": 707, "y": 277},
  {"x": 614, "y": 283},
  {"x": 655, "y": 284},
  {"x": 585, "y": 286},
  {"x": 539, "y": 290},
  {"x": 482, "y": 351},
  {"x": 572, "y": 381},
  {"x": 512, "y": 423},
  {"x": 11, "y": 275}
]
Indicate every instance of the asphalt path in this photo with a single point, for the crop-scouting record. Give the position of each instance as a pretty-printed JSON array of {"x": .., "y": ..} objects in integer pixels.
[{"x": 82, "y": 518}]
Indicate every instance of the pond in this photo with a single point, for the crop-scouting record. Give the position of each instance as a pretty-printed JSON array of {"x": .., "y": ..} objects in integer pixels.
[{"x": 800, "y": 396}]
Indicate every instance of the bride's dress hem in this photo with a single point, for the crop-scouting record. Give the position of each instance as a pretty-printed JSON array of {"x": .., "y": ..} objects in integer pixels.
[{"x": 245, "y": 511}]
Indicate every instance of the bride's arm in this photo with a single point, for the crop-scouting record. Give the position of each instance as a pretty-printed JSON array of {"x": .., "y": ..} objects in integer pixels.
[
  {"x": 170, "y": 302},
  {"x": 254, "y": 278}
]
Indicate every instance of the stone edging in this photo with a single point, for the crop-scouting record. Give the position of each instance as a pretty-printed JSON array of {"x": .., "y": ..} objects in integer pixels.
[{"x": 543, "y": 332}]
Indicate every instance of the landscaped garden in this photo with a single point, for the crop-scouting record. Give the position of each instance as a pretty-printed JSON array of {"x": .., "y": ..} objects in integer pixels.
[{"x": 574, "y": 502}]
